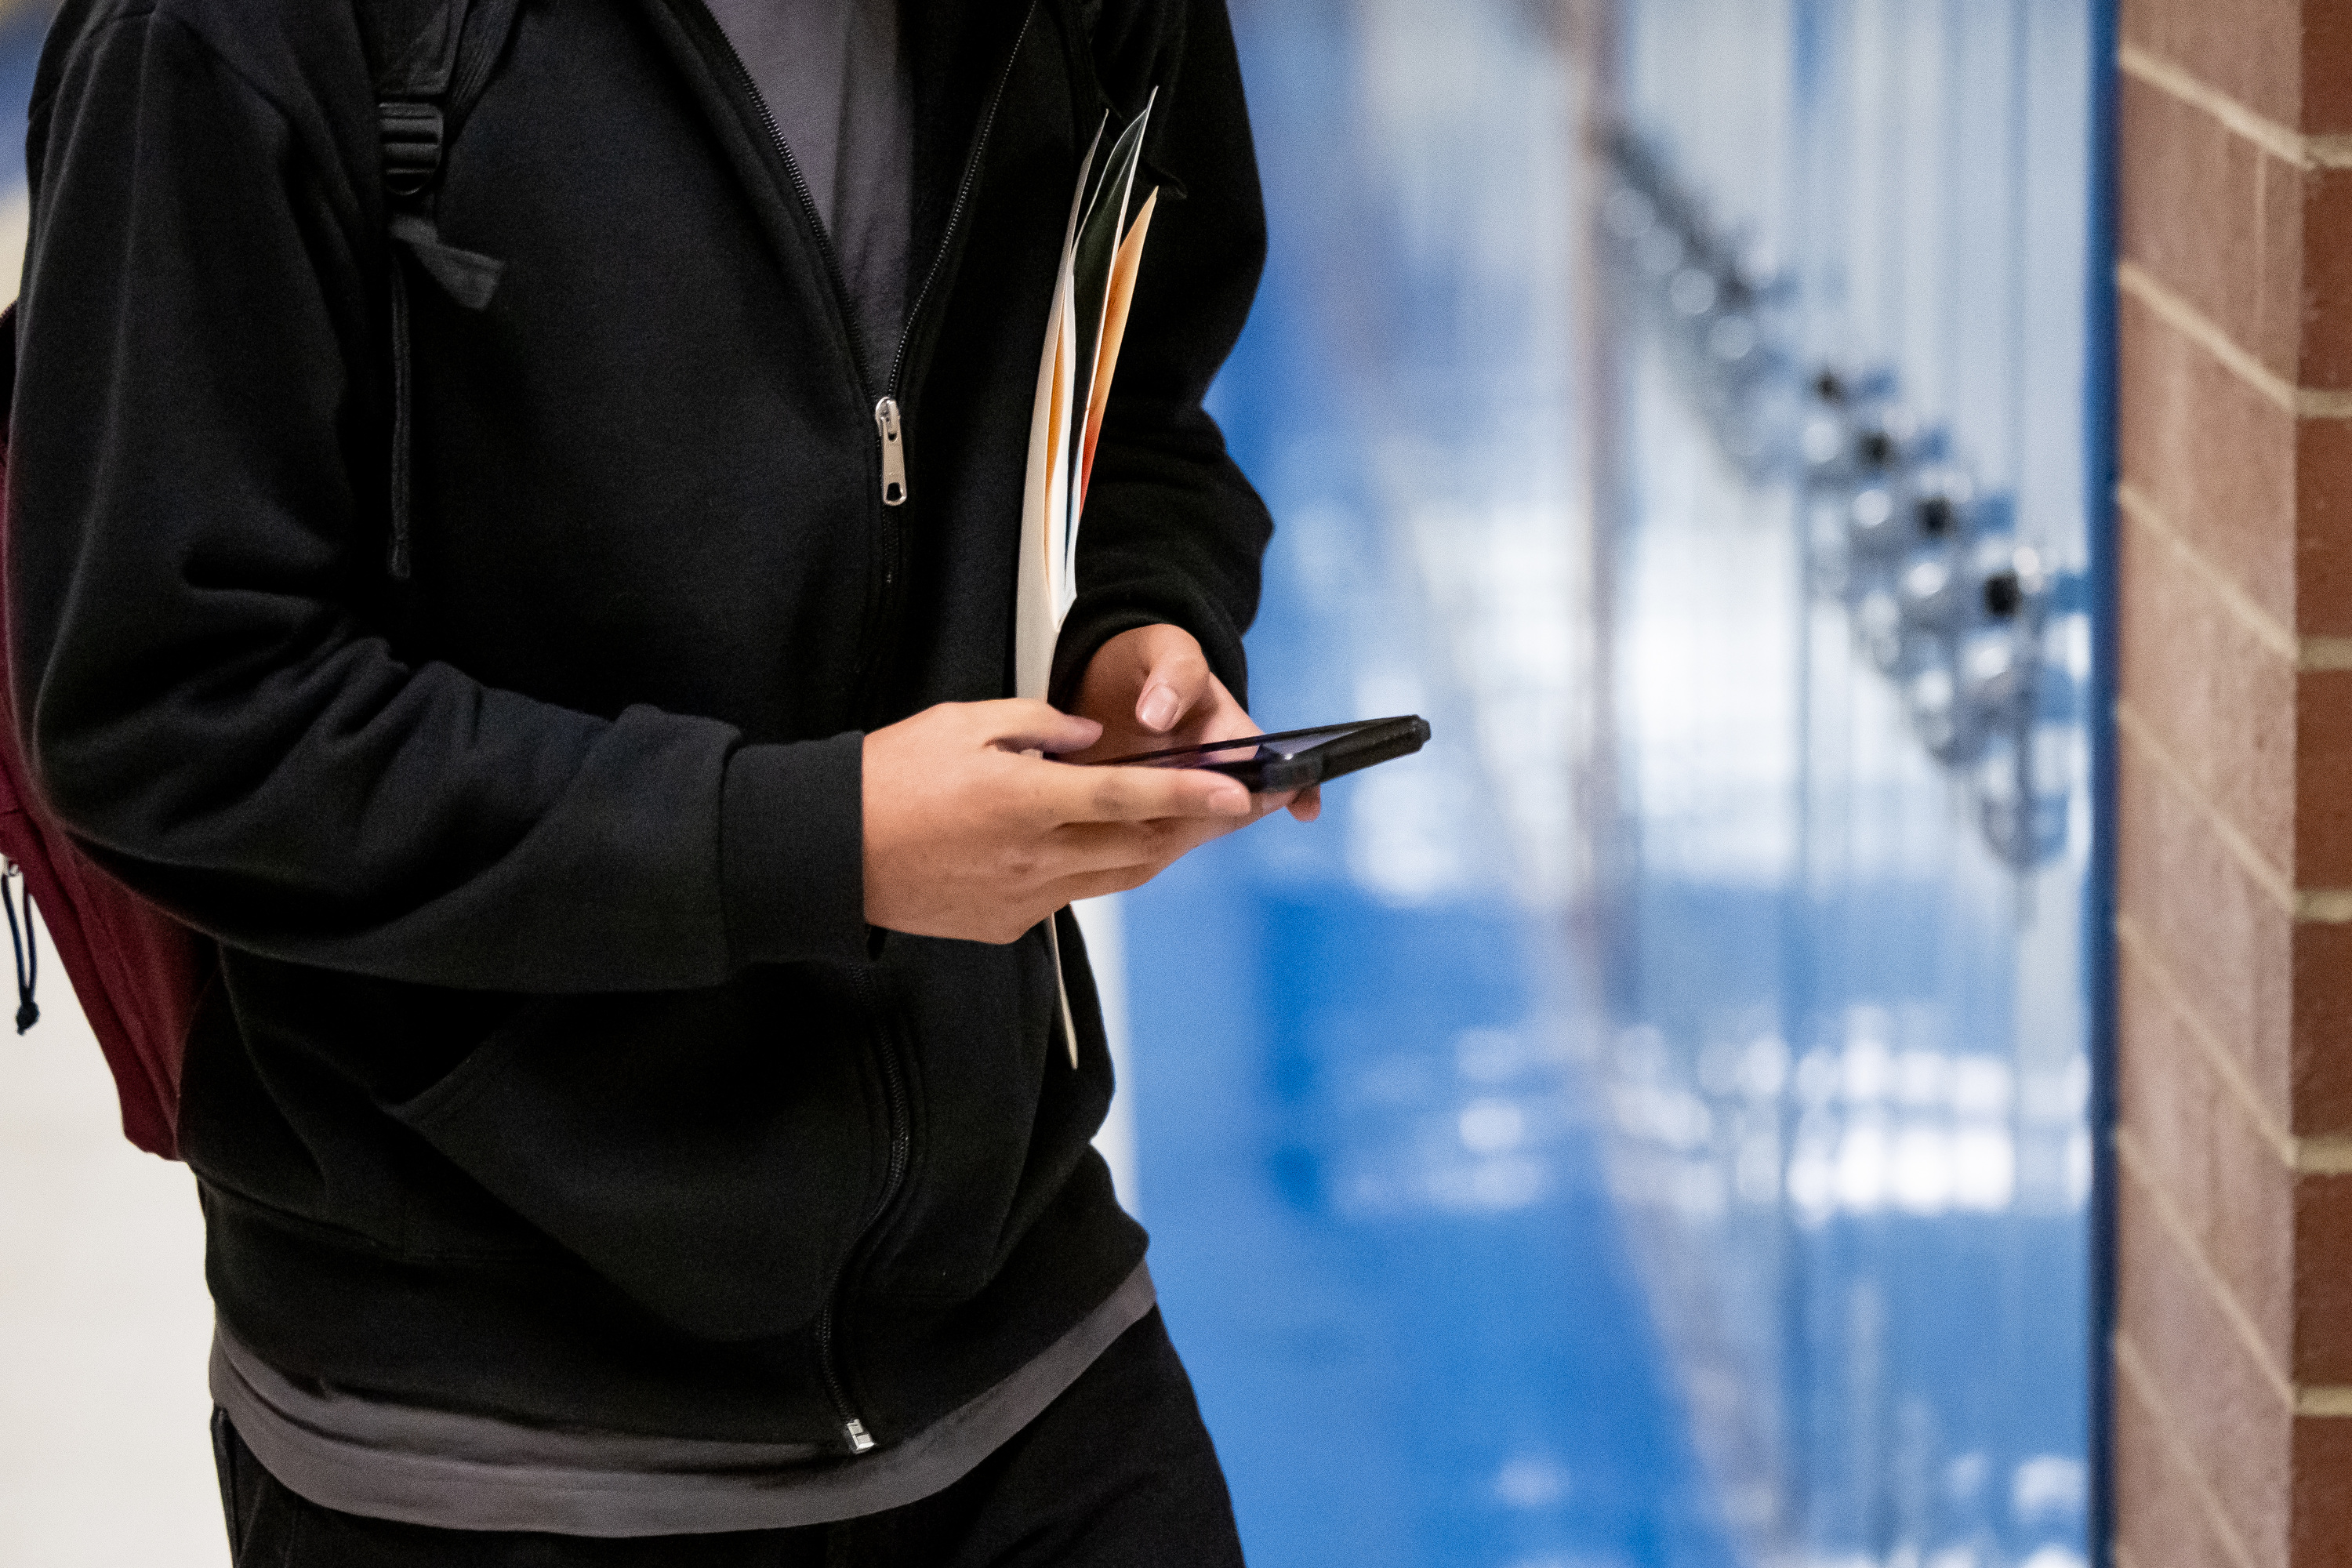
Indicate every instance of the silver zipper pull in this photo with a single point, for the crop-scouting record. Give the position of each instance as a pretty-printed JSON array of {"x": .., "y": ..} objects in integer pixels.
[
  {"x": 894, "y": 452},
  {"x": 858, "y": 1441}
]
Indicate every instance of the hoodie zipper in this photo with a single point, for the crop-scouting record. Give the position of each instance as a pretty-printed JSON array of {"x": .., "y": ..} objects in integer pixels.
[
  {"x": 962, "y": 199},
  {"x": 894, "y": 452},
  {"x": 869, "y": 1229},
  {"x": 888, "y": 427},
  {"x": 883, "y": 627},
  {"x": 860, "y": 1441},
  {"x": 807, "y": 199},
  {"x": 891, "y": 450}
]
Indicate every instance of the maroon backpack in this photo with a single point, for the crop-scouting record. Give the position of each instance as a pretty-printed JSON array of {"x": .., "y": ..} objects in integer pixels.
[
  {"x": 139, "y": 972},
  {"x": 136, "y": 970}
]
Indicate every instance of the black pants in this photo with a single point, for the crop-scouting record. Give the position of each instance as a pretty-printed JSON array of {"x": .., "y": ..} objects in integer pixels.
[{"x": 1116, "y": 1473}]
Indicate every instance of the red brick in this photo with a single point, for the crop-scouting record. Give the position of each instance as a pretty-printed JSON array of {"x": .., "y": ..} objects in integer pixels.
[
  {"x": 2323, "y": 1499},
  {"x": 2252, "y": 51},
  {"x": 2323, "y": 1273},
  {"x": 2262, "y": 247},
  {"x": 2227, "y": 943},
  {"x": 2215, "y": 218},
  {"x": 2159, "y": 1520},
  {"x": 2321, "y": 715},
  {"x": 2322, "y": 502},
  {"x": 2326, "y": 85},
  {"x": 2218, "y": 699},
  {"x": 2202, "y": 1147},
  {"x": 2211, "y": 454},
  {"x": 2321, "y": 1084},
  {"x": 2326, "y": 287},
  {"x": 2234, "y": 1427}
]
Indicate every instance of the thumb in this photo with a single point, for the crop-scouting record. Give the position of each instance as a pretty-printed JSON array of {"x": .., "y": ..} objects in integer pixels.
[
  {"x": 1019, "y": 724},
  {"x": 1173, "y": 685}
]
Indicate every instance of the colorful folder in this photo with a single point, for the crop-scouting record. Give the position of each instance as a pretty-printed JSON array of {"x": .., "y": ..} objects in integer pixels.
[{"x": 1101, "y": 251}]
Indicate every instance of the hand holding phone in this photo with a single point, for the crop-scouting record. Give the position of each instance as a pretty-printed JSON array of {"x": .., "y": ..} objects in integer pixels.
[{"x": 967, "y": 834}]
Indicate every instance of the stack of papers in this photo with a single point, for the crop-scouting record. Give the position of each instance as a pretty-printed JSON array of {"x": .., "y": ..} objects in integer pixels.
[{"x": 1101, "y": 251}]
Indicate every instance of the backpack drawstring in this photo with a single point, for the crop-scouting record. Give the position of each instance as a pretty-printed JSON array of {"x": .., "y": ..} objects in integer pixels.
[
  {"x": 396, "y": 559},
  {"x": 28, "y": 951},
  {"x": 412, "y": 125}
]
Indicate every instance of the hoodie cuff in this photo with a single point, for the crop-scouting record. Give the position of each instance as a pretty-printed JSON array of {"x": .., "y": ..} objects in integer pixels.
[{"x": 792, "y": 852}]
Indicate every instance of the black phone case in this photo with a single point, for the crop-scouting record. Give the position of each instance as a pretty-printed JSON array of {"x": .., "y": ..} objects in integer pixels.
[{"x": 1374, "y": 740}]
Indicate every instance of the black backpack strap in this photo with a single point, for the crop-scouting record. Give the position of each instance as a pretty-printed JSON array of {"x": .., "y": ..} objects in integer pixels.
[
  {"x": 433, "y": 58},
  {"x": 424, "y": 90}
]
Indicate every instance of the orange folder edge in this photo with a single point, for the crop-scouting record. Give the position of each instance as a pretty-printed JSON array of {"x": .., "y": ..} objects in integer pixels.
[{"x": 1123, "y": 270}]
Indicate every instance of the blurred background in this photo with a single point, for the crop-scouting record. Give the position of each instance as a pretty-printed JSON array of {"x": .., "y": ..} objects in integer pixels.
[{"x": 1650, "y": 1127}]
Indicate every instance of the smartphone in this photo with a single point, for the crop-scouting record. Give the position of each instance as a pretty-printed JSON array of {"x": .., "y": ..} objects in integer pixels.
[{"x": 1295, "y": 759}]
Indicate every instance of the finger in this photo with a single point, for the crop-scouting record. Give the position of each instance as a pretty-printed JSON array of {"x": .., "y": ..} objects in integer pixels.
[
  {"x": 1107, "y": 846},
  {"x": 1155, "y": 847},
  {"x": 1174, "y": 683},
  {"x": 1020, "y": 724},
  {"x": 1085, "y": 849},
  {"x": 1146, "y": 794},
  {"x": 1096, "y": 884},
  {"x": 1128, "y": 853},
  {"x": 1045, "y": 901},
  {"x": 1308, "y": 806}
]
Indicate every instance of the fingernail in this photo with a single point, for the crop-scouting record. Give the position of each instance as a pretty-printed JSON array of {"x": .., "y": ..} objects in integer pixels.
[{"x": 1159, "y": 709}]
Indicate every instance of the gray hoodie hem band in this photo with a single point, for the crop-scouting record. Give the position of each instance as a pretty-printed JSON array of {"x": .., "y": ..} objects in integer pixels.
[{"x": 456, "y": 1471}]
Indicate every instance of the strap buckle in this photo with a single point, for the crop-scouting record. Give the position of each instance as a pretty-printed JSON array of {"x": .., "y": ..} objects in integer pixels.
[{"x": 412, "y": 145}]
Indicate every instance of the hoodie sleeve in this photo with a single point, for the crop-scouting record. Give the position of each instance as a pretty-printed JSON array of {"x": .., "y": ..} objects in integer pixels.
[
  {"x": 200, "y": 702},
  {"x": 1173, "y": 531}
]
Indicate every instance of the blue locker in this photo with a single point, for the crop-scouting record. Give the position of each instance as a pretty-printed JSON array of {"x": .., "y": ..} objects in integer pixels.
[{"x": 1848, "y": 374}]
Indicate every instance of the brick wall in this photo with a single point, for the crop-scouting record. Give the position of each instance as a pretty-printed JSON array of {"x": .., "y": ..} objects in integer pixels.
[{"x": 2234, "y": 1343}]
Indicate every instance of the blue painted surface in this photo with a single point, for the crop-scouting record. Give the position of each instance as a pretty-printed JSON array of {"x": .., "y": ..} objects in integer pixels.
[
  {"x": 1382, "y": 1227},
  {"x": 2101, "y": 470},
  {"x": 1878, "y": 1030},
  {"x": 1653, "y": 1125}
]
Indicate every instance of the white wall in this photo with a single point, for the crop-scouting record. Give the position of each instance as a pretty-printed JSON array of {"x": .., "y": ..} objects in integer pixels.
[{"x": 105, "y": 1460}]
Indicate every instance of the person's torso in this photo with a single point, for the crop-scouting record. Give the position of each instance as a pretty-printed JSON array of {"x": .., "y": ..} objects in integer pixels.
[{"x": 649, "y": 472}]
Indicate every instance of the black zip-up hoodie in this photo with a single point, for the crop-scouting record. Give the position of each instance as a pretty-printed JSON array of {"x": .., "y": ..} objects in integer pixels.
[{"x": 551, "y": 1069}]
